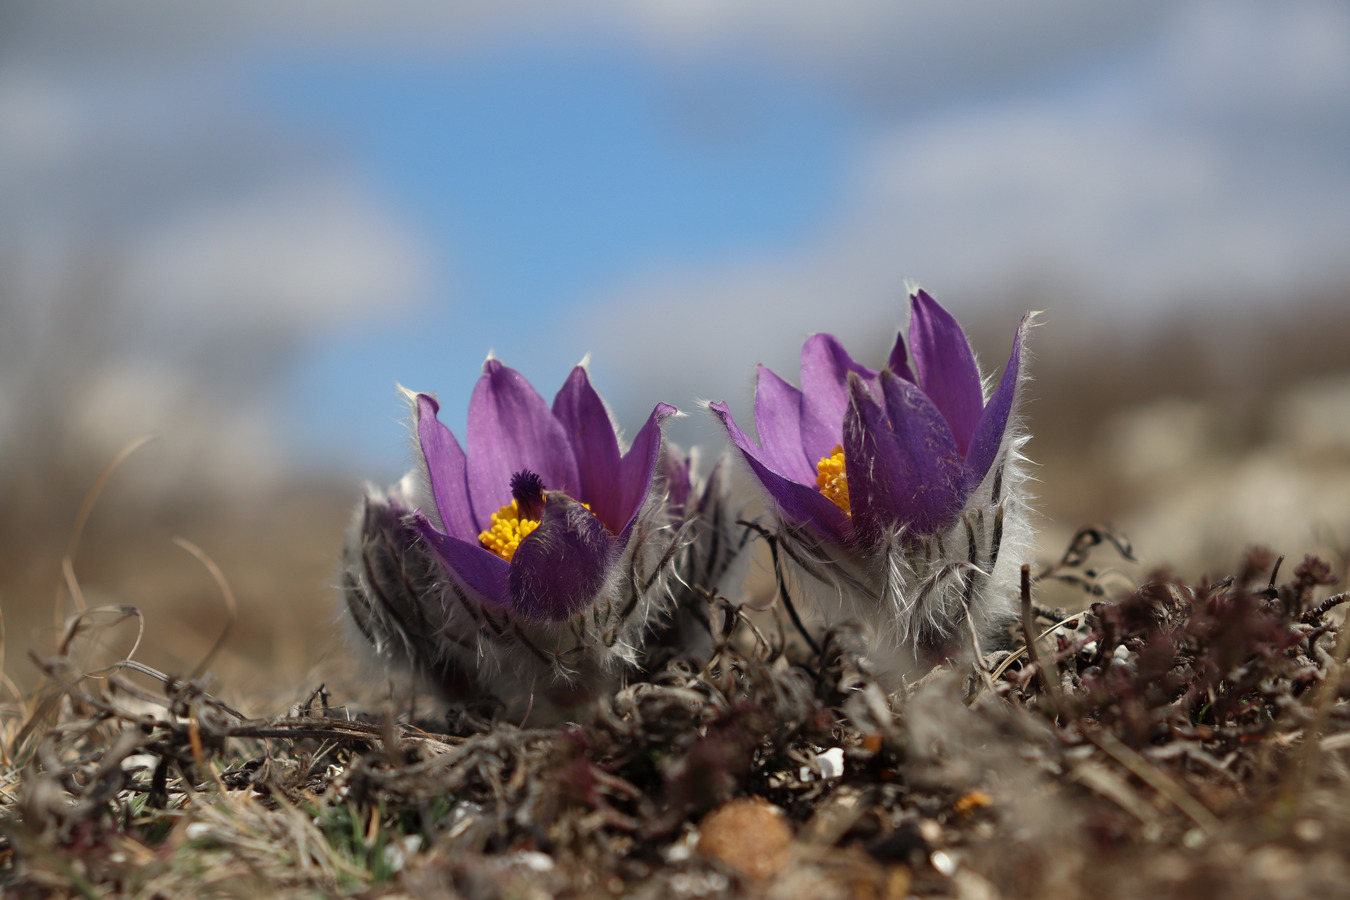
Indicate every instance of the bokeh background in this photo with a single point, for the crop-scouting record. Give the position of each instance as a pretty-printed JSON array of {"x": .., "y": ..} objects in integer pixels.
[{"x": 239, "y": 226}]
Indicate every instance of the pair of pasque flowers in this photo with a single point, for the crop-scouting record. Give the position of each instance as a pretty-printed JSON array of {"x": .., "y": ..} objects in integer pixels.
[{"x": 539, "y": 562}]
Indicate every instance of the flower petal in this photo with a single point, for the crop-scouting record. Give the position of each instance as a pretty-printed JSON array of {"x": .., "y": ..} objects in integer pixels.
[
  {"x": 825, "y": 369},
  {"x": 480, "y": 572},
  {"x": 778, "y": 419},
  {"x": 446, "y": 471},
  {"x": 596, "y": 449},
  {"x": 798, "y": 503},
  {"x": 561, "y": 566},
  {"x": 904, "y": 472},
  {"x": 511, "y": 428},
  {"x": 946, "y": 366},
  {"x": 988, "y": 437},
  {"x": 712, "y": 487},
  {"x": 638, "y": 469},
  {"x": 676, "y": 470},
  {"x": 899, "y": 360}
]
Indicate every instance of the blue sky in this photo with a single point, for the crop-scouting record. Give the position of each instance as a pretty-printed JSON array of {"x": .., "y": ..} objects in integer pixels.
[
  {"x": 264, "y": 215},
  {"x": 537, "y": 175}
]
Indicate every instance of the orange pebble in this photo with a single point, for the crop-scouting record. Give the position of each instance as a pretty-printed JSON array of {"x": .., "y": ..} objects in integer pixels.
[
  {"x": 748, "y": 834},
  {"x": 971, "y": 802}
]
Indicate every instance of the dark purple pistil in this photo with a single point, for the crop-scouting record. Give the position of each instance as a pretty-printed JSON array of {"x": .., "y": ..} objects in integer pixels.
[{"x": 528, "y": 490}]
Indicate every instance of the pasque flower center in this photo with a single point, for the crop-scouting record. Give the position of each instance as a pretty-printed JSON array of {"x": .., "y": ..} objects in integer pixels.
[
  {"x": 832, "y": 479},
  {"x": 506, "y": 530},
  {"x": 516, "y": 520}
]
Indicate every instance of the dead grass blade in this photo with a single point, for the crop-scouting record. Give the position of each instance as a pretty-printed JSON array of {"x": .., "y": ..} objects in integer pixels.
[{"x": 231, "y": 607}]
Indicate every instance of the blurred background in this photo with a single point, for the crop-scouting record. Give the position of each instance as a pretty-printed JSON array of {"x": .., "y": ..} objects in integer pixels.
[{"x": 239, "y": 226}]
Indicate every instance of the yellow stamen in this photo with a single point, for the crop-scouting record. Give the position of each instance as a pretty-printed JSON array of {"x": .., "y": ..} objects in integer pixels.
[
  {"x": 507, "y": 529},
  {"x": 832, "y": 478}
]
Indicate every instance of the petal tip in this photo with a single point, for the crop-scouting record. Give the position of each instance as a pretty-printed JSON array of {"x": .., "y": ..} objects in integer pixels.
[{"x": 423, "y": 402}]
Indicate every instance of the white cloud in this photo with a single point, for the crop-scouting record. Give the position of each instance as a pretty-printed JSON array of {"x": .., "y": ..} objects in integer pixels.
[
  {"x": 166, "y": 249},
  {"x": 202, "y": 202},
  {"x": 866, "y": 47},
  {"x": 40, "y": 122},
  {"x": 1257, "y": 61},
  {"x": 303, "y": 257},
  {"x": 1104, "y": 196}
]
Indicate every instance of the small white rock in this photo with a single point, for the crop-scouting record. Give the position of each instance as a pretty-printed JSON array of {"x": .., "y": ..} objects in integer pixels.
[
  {"x": 396, "y": 854},
  {"x": 683, "y": 847},
  {"x": 461, "y": 817},
  {"x": 831, "y": 763},
  {"x": 943, "y": 864},
  {"x": 534, "y": 860},
  {"x": 140, "y": 761},
  {"x": 698, "y": 884}
]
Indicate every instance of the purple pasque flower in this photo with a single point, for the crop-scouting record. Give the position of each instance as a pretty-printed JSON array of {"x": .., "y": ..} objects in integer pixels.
[
  {"x": 532, "y": 519},
  {"x": 896, "y": 487},
  {"x": 913, "y": 446},
  {"x": 529, "y": 568}
]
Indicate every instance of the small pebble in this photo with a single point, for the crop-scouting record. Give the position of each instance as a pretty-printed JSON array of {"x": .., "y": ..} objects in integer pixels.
[
  {"x": 748, "y": 834},
  {"x": 397, "y": 853},
  {"x": 831, "y": 763},
  {"x": 1310, "y": 831},
  {"x": 140, "y": 762},
  {"x": 539, "y": 862},
  {"x": 683, "y": 847}
]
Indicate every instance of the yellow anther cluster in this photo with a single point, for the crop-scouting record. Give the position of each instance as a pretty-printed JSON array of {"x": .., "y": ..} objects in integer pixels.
[
  {"x": 506, "y": 530},
  {"x": 832, "y": 479}
]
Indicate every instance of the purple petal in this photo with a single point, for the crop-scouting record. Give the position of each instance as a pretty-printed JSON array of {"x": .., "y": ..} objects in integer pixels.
[
  {"x": 675, "y": 469},
  {"x": 778, "y": 419},
  {"x": 560, "y": 566},
  {"x": 901, "y": 472},
  {"x": 638, "y": 470},
  {"x": 989, "y": 430},
  {"x": 899, "y": 360},
  {"x": 825, "y": 369},
  {"x": 946, "y": 366},
  {"x": 480, "y": 572},
  {"x": 446, "y": 470},
  {"x": 799, "y": 504},
  {"x": 511, "y": 428},
  {"x": 594, "y": 445},
  {"x": 712, "y": 487}
]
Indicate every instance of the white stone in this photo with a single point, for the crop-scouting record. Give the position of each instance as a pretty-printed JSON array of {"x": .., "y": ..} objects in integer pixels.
[{"x": 831, "y": 763}]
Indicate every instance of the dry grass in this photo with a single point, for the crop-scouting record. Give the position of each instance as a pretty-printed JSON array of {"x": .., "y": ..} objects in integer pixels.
[{"x": 1176, "y": 740}]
